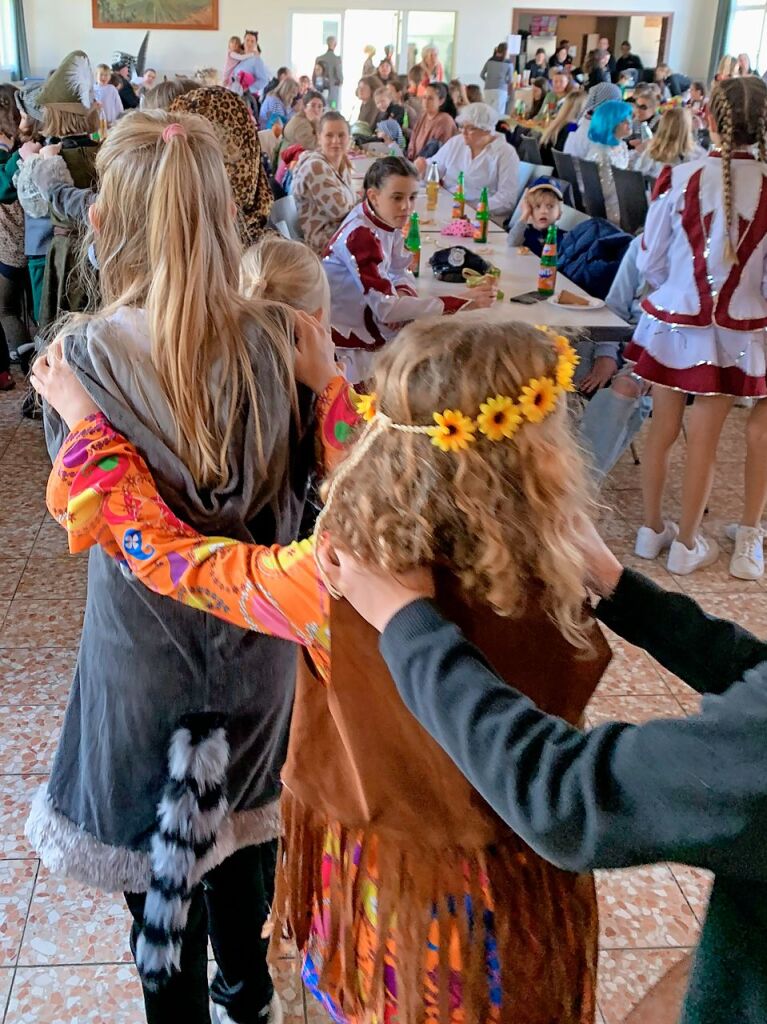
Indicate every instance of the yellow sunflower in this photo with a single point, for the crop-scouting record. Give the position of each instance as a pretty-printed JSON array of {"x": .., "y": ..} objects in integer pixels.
[
  {"x": 538, "y": 399},
  {"x": 365, "y": 406},
  {"x": 565, "y": 373},
  {"x": 453, "y": 431},
  {"x": 499, "y": 417}
]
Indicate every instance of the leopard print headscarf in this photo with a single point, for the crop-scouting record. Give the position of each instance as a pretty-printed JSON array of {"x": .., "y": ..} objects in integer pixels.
[{"x": 238, "y": 136}]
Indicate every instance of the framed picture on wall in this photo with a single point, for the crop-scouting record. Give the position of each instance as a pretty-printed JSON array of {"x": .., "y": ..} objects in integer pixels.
[{"x": 155, "y": 14}]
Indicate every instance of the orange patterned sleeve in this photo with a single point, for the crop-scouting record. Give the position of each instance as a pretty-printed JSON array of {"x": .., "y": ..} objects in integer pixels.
[{"x": 101, "y": 490}]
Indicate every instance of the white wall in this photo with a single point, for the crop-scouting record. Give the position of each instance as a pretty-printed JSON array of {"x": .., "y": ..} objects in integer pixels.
[
  {"x": 54, "y": 27},
  {"x": 691, "y": 34},
  {"x": 645, "y": 40}
]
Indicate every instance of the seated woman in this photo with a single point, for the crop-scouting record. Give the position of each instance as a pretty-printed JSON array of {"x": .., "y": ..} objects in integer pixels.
[
  {"x": 610, "y": 126},
  {"x": 371, "y": 288},
  {"x": 562, "y": 125},
  {"x": 485, "y": 158},
  {"x": 577, "y": 142},
  {"x": 561, "y": 87},
  {"x": 366, "y": 89},
  {"x": 436, "y": 125},
  {"x": 277, "y": 105},
  {"x": 301, "y": 129},
  {"x": 322, "y": 183},
  {"x": 672, "y": 144},
  {"x": 457, "y": 91},
  {"x": 540, "y": 89},
  {"x": 409, "y": 899}
]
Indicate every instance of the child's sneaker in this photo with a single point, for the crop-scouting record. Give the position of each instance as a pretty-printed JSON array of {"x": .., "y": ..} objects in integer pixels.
[
  {"x": 747, "y": 562},
  {"x": 7, "y": 383},
  {"x": 683, "y": 560},
  {"x": 649, "y": 544}
]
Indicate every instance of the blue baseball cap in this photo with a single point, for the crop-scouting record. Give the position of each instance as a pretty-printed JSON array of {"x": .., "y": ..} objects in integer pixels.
[{"x": 547, "y": 185}]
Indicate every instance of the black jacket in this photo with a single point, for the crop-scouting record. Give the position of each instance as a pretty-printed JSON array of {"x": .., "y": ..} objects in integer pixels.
[{"x": 692, "y": 790}]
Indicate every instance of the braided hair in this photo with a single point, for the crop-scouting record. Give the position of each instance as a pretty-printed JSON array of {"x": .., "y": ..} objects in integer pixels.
[{"x": 739, "y": 109}]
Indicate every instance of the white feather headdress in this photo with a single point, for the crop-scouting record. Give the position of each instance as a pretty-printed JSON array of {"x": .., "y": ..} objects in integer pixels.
[{"x": 80, "y": 80}]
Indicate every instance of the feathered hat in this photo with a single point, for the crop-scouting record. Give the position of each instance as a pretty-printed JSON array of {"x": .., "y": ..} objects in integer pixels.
[{"x": 70, "y": 87}]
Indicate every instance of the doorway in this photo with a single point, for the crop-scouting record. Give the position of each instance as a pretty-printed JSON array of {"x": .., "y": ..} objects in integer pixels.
[
  {"x": 361, "y": 29},
  {"x": 308, "y": 38}
]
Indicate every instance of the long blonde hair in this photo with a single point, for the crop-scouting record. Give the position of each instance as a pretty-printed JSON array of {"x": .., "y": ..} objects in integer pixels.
[
  {"x": 673, "y": 141},
  {"x": 166, "y": 242},
  {"x": 501, "y": 515},
  {"x": 569, "y": 112},
  {"x": 285, "y": 271},
  {"x": 738, "y": 107}
]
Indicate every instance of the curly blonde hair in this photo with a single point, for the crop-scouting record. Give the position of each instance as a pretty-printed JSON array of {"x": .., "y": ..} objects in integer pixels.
[{"x": 504, "y": 516}]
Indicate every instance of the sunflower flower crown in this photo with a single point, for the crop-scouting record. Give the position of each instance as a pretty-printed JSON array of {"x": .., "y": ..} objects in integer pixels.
[{"x": 499, "y": 418}]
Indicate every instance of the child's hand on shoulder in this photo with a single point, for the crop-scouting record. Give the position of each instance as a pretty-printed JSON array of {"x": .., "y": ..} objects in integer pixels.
[
  {"x": 55, "y": 382},
  {"x": 315, "y": 354}
]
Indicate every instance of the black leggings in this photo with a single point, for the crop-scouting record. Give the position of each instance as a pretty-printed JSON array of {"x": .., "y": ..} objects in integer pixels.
[
  {"x": 231, "y": 905},
  {"x": 12, "y": 285}
]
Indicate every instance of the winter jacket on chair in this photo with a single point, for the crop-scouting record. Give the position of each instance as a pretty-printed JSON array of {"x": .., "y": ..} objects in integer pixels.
[{"x": 591, "y": 254}]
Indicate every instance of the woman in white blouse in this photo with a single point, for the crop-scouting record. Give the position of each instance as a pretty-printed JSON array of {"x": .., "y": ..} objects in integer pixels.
[
  {"x": 486, "y": 159},
  {"x": 322, "y": 183},
  {"x": 610, "y": 125}
]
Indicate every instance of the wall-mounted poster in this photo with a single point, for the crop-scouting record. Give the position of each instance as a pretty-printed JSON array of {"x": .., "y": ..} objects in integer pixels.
[
  {"x": 543, "y": 25},
  {"x": 189, "y": 14}
]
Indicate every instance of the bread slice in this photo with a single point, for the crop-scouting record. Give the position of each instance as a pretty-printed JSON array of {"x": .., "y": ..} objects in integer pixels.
[{"x": 571, "y": 299}]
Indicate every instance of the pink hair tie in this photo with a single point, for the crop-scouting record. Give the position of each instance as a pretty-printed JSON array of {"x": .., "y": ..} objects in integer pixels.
[{"x": 170, "y": 131}]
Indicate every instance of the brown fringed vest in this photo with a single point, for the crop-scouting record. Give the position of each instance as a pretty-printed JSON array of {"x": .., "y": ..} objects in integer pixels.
[{"x": 358, "y": 760}]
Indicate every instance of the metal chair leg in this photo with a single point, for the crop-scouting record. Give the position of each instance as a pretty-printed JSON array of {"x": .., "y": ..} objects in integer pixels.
[{"x": 634, "y": 453}]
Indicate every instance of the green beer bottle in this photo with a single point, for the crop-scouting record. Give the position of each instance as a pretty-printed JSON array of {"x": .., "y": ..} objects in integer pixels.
[
  {"x": 483, "y": 216},
  {"x": 547, "y": 274},
  {"x": 413, "y": 245}
]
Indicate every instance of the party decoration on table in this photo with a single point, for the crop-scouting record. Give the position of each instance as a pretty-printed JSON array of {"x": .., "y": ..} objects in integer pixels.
[
  {"x": 449, "y": 264},
  {"x": 458, "y": 229}
]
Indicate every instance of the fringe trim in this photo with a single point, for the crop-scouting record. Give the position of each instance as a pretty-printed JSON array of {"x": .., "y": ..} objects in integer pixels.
[
  {"x": 67, "y": 849},
  {"x": 542, "y": 921}
]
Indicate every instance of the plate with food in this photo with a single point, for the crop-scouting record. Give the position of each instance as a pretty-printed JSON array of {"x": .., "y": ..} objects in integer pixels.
[{"x": 575, "y": 302}]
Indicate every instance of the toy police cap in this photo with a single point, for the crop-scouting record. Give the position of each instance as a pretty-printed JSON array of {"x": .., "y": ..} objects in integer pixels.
[{"x": 546, "y": 185}]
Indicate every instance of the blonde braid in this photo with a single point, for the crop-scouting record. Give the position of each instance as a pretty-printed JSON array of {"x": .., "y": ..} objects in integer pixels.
[
  {"x": 723, "y": 114},
  {"x": 761, "y": 132}
]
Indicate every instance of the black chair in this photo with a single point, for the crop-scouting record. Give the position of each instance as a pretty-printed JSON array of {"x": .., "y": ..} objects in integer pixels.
[
  {"x": 565, "y": 169},
  {"x": 529, "y": 149},
  {"x": 593, "y": 197},
  {"x": 631, "y": 190}
]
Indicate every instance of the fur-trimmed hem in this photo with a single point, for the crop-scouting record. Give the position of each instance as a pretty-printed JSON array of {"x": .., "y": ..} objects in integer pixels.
[{"x": 67, "y": 849}]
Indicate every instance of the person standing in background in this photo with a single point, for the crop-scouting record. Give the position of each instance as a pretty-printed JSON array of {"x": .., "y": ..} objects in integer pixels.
[
  {"x": 496, "y": 75},
  {"x": 368, "y": 68},
  {"x": 335, "y": 72},
  {"x": 627, "y": 61},
  {"x": 604, "y": 44}
]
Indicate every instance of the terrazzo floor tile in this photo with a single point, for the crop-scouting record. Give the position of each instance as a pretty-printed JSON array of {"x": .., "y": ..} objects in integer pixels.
[
  {"x": 631, "y": 671},
  {"x": 69, "y": 923},
  {"x": 286, "y": 975},
  {"x": 695, "y": 884},
  {"x": 627, "y": 975},
  {"x": 6, "y": 980},
  {"x": 62, "y": 577},
  {"x": 83, "y": 994},
  {"x": 11, "y": 570},
  {"x": 17, "y": 879},
  {"x": 748, "y": 610},
  {"x": 40, "y": 623},
  {"x": 642, "y": 908},
  {"x": 18, "y": 538},
  {"x": 631, "y": 709},
  {"x": 16, "y": 792},
  {"x": 28, "y": 739},
  {"x": 35, "y": 676}
]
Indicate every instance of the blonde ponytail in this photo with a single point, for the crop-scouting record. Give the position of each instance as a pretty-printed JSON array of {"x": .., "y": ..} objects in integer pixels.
[
  {"x": 167, "y": 242},
  {"x": 285, "y": 271}
]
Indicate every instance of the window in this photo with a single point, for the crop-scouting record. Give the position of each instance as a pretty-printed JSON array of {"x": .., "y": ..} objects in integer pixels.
[
  {"x": 431, "y": 28},
  {"x": 747, "y": 31},
  {"x": 8, "y": 58}
]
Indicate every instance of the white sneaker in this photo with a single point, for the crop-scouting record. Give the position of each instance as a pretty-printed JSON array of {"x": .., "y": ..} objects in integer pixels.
[
  {"x": 731, "y": 530},
  {"x": 273, "y": 1014},
  {"x": 682, "y": 561},
  {"x": 747, "y": 562},
  {"x": 649, "y": 544}
]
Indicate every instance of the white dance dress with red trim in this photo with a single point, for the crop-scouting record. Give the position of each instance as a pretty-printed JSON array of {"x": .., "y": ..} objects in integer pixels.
[
  {"x": 372, "y": 290},
  {"x": 703, "y": 325}
]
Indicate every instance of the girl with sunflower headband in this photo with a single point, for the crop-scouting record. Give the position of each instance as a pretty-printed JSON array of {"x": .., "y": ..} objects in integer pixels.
[{"x": 408, "y": 897}]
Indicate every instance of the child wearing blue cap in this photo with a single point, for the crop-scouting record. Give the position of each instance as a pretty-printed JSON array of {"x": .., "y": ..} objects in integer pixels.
[{"x": 541, "y": 207}]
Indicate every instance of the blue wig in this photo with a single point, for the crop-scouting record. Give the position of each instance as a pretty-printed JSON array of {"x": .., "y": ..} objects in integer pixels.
[{"x": 606, "y": 119}]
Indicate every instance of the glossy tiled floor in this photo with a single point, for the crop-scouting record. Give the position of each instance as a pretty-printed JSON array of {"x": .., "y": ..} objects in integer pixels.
[{"x": 63, "y": 949}]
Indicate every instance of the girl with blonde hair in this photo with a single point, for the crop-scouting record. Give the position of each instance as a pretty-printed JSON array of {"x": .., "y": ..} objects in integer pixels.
[
  {"x": 672, "y": 144},
  {"x": 409, "y": 899},
  {"x": 704, "y": 256},
  {"x": 167, "y": 770},
  {"x": 565, "y": 121}
]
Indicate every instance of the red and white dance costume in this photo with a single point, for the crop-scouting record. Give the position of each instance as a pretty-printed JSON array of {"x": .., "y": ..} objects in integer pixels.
[
  {"x": 372, "y": 291},
  {"x": 704, "y": 321}
]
